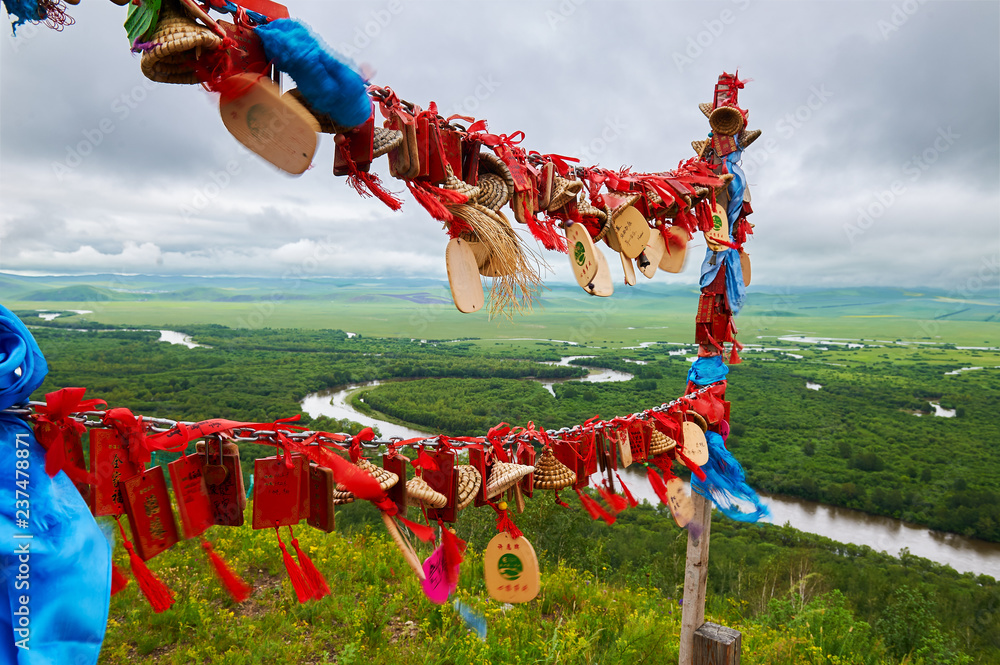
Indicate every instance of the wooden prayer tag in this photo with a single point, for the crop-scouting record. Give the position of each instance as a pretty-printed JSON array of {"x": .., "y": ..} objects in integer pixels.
[
  {"x": 223, "y": 480},
  {"x": 463, "y": 276},
  {"x": 444, "y": 479},
  {"x": 276, "y": 489},
  {"x": 719, "y": 230},
  {"x": 545, "y": 182},
  {"x": 648, "y": 261},
  {"x": 423, "y": 129},
  {"x": 624, "y": 447},
  {"x": 679, "y": 502},
  {"x": 477, "y": 458},
  {"x": 358, "y": 143},
  {"x": 278, "y": 129},
  {"x": 110, "y": 465},
  {"x": 629, "y": 270},
  {"x": 248, "y": 53},
  {"x": 582, "y": 254},
  {"x": 527, "y": 458},
  {"x": 397, "y": 464},
  {"x": 695, "y": 446},
  {"x": 602, "y": 284},
  {"x": 149, "y": 513},
  {"x": 399, "y": 157},
  {"x": 745, "y": 267},
  {"x": 321, "y": 484},
  {"x": 511, "y": 569},
  {"x": 193, "y": 504},
  {"x": 675, "y": 250},
  {"x": 73, "y": 450},
  {"x": 302, "y": 462},
  {"x": 631, "y": 230}
]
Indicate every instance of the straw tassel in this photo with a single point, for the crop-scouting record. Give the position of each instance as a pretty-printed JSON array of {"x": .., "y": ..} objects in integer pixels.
[
  {"x": 303, "y": 590},
  {"x": 237, "y": 589},
  {"x": 628, "y": 495},
  {"x": 595, "y": 509},
  {"x": 312, "y": 573},
  {"x": 157, "y": 593},
  {"x": 118, "y": 579}
]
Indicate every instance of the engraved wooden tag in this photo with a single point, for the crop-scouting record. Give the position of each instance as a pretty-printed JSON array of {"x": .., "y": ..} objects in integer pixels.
[
  {"x": 582, "y": 254},
  {"x": 629, "y": 270},
  {"x": 511, "y": 569},
  {"x": 602, "y": 285},
  {"x": 193, "y": 504},
  {"x": 276, "y": 489},
  {"x": 397, "y": 464},
  {"x": 695, "y": 446},
  {"x": 632, "y": 231},
  {"x": 149, "y": 513},
  {"x": 719, "y": 230},
  {"x": 648, "y": 261},
  {"x": 463, "y": 276},
  {"x": 321, "y": 484},
  {"x": 624, "y": 447},
  {"x": 675, "y": 250},
  {"x": 679, "y": 502},
  {"x": 110, "y": 465},
  {"x": 745, "y": 266},
  {"x": 278, "y": 129},
  {"x": 444, "y": 479}
]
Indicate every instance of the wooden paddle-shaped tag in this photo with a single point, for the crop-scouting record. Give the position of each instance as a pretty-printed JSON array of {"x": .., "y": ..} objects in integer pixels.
[
  {"x": 463, "y": 276},
  {"x": 695, "y": 445},
  {"x": 545, "y": 182},
  {"x": 602, "y": 285},
  {"x": 745, "y": 267},
  {"x": 624, "y": 447},
  {"x": 511, "y": 569},
  {"x": 679, "y": 502},
  {"x": 632, "y": 231},
  {"x": 278, "y": 129},
  {"x": 582, "y": 254},
  {"x": 149, "y": 512},
  {"x": 719, "y": 230},
  {"x": 629, "y": 270},
  {"x": 399, "y": 157},
  {"x": 675, "y": 250},
  {"x": 648, "y": 261}
]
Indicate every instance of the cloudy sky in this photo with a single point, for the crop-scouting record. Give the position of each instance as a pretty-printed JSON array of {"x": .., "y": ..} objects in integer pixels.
[{"x": 878, "y": 164}]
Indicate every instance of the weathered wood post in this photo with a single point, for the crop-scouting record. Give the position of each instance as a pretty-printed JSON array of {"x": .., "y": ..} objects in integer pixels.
[
  {"x": 717, "y": 645},
  {"x": 695, "y": 579}
]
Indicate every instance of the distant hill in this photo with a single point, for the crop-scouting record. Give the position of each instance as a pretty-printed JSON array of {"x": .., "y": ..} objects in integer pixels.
[{"x": 77, "y": 293}]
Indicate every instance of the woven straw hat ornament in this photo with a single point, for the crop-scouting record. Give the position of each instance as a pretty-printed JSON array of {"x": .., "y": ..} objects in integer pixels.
[
  {"x": 504, "y": 475},
  {"x": 551, "y": 474},
  {"x": 179, "y": 42},
  {"x": 419, "y": 493},
  {"x": 469, "y": 482}
]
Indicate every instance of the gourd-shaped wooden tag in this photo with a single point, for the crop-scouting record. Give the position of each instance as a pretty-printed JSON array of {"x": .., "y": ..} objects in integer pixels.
[
  {"x": 582, "y": 254},
  {"x": 650, "y": 257},
  {"x": 631, "y": 230},
  {"x": 745, "y": 267},
  {"x": 463, "y": 276},
  {"x": 511, "y": 569},
  {"x": 602, "y": 285},
  {"x": 675, "y": 251},
  {"x": 277, "y": 128},
  {"x": 719, "y": 230},
  {"x": 629, "y": 270},
  {"x": 695, "y": 445},
  {"x": 679, "y": 502}
]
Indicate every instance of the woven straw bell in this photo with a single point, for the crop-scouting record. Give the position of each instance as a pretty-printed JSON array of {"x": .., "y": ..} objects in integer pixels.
[
  {"x": 551, "y": 474},
  {"x": 386, "y": 479},
  {"x": 419, "y": 493},
  {"x": 504, "y": 475},
  {"x": 660, "y": 443},
  {"x": 726, "y": 120},
  {"x": 469, "y": 482},
  {"x": 490, "y": 167},
  {"x": 178, "y": 43}
]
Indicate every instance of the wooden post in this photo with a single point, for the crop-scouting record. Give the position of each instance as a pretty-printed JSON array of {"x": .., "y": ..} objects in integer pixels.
[
  {"x": 717, "y": 645},
  {"x": 695, "y": 578}
]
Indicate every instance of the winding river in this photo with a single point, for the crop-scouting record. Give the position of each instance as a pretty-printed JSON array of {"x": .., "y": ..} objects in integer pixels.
[{"x": 839, "y": 524}]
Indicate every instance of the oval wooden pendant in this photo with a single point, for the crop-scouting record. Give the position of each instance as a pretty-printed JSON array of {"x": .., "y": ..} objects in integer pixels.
[
  {"x": 484, "y": 259},
  {"x": 719, "y": 230},
  {"x": 631, "y": 230},
  {"x": 463, "y": 276},
  {"x": 679, "y": 502},
  {"x": 629, "y": 270},
  {"x": 745, "y": 267},
  {"x": 652, "y": 254},
  {"x": 602, "y": 284},
  {"x": 582, "y": 254},
  {"x": 695, "y": 445},
  {"x": 511, "y": 569},
  {"x": 675, "y": 250},
  {"x": 277, "y": 128}
]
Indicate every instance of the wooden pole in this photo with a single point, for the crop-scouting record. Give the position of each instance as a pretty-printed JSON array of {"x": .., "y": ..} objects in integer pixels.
[
  {"x": 717, "y": 645},
  {"x": 695, "y": 578}
]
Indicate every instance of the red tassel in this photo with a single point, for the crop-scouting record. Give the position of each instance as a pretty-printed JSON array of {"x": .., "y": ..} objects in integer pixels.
[
  {"x": 118, "y": 579},
  {"x": 505, "y": 523},
  {"x": 434, "y": 199},
  {"x": 156, "y": 592},
  {"x": 238, "y": 589},
  {"x": 628, "y": 495},
  {"x": 312, "y": 573},
  {"x": 616, "y": 502},
  {"x": 303, "y": 590},
  {"x": 545, "y": 233},
  {"x": 560, "y": 501},
  {"x": 594, "y": 509},
  {"x": 695, "y": 469},
  {"x": 421, "y": 531},
  {"x": 658, "y": 485},
  {"x": 367, "y": 184},
  {"x": 453, "y": 549},
  {"x": 734, "y": 357}
]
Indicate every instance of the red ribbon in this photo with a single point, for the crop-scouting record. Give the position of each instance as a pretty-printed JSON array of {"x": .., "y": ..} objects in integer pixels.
[{"x": 56, "y": 414}]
